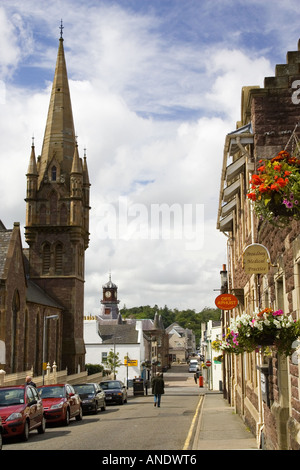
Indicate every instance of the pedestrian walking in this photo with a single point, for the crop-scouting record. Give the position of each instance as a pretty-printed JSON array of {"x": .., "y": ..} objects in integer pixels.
[
  {"x": 158, "y": 388},
  {"x": 146, "y": 385}
]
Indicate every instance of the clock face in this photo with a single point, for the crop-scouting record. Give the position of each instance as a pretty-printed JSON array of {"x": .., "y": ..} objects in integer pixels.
[{"x": 107, "y": 294}]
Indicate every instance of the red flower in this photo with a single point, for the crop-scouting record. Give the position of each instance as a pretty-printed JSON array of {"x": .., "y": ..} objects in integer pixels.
[
  {"x": 282, "y": 182},
  {"x": 252, "y": 196},
  {"x": 262, "y": 188},
  {"x": 255, "y": 180}
]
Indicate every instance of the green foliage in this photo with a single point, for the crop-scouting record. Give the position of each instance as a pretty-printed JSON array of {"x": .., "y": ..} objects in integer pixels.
[
  {"x": 113, "y": 361},
  {"x": 93, "y": 368},
  {"x": 185, "y": 318}
]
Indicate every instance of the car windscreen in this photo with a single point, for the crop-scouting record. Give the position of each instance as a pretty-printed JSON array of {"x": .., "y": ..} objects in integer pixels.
[
  {"x": 84, "y": 388},
  {"x": 110, "y": 385},
  {"x": 52, "y": 392},
  {"x": 11, "y": 396}
]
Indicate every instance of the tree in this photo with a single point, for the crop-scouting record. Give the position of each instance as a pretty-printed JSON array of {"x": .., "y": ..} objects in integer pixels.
[
  {"x": 185, "y": 318},
  {"x": 113, "y": 362}
]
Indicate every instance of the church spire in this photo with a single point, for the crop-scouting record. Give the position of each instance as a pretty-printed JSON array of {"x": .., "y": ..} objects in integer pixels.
[
  {"x": 32, "y": 170},
  {"x": 59, "y": 138}
]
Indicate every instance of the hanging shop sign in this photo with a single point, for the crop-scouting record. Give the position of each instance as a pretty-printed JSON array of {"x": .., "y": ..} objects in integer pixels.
[
  {"x": 256, "y": 259},
  {"x": 226, "y": 301}
]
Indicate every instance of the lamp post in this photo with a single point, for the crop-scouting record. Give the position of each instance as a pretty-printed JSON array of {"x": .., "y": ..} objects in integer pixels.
[
  {"x": 49, "y": 317},
  {"x": 115, "y": 337},
  {"x": 224, "y": 290}
]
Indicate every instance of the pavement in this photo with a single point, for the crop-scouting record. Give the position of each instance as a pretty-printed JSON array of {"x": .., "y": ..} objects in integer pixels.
[
  {"x": 215, "y": 424},
  {"x": 218, "y": 427}
]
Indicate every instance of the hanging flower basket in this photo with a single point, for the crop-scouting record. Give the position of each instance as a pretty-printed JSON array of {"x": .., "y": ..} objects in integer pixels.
[
  {"x": 265, "y": 328},
  {"x": 275, "y": 189},
  {"x": 228, "y": 344}
]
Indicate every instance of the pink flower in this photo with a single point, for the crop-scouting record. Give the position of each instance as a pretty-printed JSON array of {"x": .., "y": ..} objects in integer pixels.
[{"x": 277, "y": 313}]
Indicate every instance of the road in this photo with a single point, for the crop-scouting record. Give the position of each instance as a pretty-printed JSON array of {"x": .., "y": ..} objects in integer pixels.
[{"x": 137, "y": 425}]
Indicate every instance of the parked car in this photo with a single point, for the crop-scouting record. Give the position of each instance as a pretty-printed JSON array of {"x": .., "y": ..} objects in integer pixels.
[
  {"x": 61, "y": 403},
  {"x": 193, "y": 368},
  {"x": 21, "y": 411},
  {"x": 115, "y": 391},
  {"x": 92, "y": 397},
  {"x": 1, "y": 433}
]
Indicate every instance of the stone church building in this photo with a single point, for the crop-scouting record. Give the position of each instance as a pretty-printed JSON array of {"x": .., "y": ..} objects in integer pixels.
[{"x": 42, "y": 286}]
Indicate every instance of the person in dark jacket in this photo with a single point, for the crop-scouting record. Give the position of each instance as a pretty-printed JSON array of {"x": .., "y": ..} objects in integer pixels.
[
  {"x": 158, "y": 388},
  {"x": 28, "y": 381}
]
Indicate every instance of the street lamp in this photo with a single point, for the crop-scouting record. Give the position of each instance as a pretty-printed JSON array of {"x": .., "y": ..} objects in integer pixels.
[
  {"x": 49, "y": 317},
  {"x": 115, "y": 337}
]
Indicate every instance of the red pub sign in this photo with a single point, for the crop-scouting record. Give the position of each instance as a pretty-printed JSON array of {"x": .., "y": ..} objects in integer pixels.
[{"x": 226, "y": 301}]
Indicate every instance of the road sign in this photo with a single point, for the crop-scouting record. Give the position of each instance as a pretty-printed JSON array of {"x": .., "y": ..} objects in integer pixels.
[
  {"x": 226, "y": 301},
  {"x": 130, "y": 362},
  {"x": 208, "y": 363}
]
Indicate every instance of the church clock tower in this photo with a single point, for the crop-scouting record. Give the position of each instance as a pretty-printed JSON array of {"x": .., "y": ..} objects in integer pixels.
[
  {"x": 109, "y": 302},
  {"x": 57, "y": 216}
]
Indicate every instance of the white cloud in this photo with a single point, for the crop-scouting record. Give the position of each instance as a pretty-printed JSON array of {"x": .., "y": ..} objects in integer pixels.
[{"x": 152, "y": 109}]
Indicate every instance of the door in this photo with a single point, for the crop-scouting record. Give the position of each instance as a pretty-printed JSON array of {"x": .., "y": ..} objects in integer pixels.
[{"x": 32, "y": 408}]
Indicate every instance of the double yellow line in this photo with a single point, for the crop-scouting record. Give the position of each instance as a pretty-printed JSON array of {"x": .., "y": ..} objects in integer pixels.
[{"x": 191, "y": 430}]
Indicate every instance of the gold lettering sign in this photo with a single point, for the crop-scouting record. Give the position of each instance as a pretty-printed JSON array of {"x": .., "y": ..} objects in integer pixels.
[{"x": 256, "y": 259}]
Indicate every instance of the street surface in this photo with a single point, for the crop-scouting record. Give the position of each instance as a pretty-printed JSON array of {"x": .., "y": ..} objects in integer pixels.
[{"x": 137, "y": 425}]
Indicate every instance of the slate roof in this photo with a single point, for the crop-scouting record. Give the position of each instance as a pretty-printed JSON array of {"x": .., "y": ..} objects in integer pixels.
[
  {"x": 33, "y": 293},
  {"x": 36, "y": 295},
  {"x": 118, "y": 334},
  {"x": 5, "y": 236}
]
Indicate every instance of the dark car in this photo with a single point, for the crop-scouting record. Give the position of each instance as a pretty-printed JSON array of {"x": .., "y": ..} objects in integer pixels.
[
  {"x": 21, "y": 411},
  {"x": 115, "y": 391},
  {"x": 1, "y": 433},
  {"x": 92, "y": 397},
  {"x": 61, "y": 403}
]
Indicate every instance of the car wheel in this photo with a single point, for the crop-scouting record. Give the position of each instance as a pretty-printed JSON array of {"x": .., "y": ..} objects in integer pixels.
[
  {"x": 25, "y": 435},
  {"x": 96, "y": 408},
  {"x": 103, "y": 408},
  {"x": 79, "y": 416},
  {"x": 42, "y": 428},
  {"x": 67, "y": 417}
]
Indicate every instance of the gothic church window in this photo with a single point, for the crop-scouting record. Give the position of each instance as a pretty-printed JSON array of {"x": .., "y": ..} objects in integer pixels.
[
  {"x": 43, "y": 215},
  {"x": 46, "y": 258},
  {"x": 58, "y": 258},
  {"x": 53, "y": 173},
  {"x": 26, "y": 342},
  {"x": 14, "y": 329},
  {"x": 63, "y": 215},
  {"x": 53, "y": 208}
]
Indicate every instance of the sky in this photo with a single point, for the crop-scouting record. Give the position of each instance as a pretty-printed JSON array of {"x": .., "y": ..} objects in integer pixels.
[{"x": 155, "y": 87}]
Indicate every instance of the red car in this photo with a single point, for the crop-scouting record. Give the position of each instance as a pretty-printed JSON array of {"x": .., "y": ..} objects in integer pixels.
[
  {"x": 61, "y": 403},
  {"x": 21, "y": 411}
]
